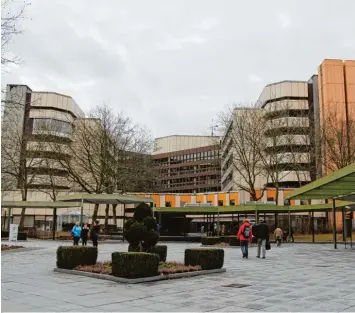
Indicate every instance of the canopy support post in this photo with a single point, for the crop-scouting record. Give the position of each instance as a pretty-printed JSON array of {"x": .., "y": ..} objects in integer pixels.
[
  {"x": 124, "y": 221},
  {"x": 334, "y": 225},
  {"x": 313, "y": 235},
  {"x": 289, "y": 224},
  {"x": 343, "y": 222},
  {"x": 256, "y": 217},
  {"x": 184, "y": 225},
  {"x": 9, "y": 221},
  {"x": 54, "y": 228},
  {"x": 276, "y": 220},
  {"x": 82, "y": 212}
]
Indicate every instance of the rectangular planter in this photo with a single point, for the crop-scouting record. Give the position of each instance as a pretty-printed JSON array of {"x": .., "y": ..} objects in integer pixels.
[{"x": 139, "y": 280}]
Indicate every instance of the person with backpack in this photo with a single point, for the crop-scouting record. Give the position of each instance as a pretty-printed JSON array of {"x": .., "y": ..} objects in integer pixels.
[
  {"x": 245, "y": 235},
  {"x": 94, "y": 234},
  {"x": 76, "y": 233},
  {"x": 262, "y": 236}
]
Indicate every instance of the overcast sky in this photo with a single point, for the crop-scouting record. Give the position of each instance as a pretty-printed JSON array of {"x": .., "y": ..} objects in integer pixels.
[{"x": 172, "y": 65}]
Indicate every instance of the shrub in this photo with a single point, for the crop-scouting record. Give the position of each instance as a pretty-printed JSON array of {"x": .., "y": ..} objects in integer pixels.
[
  {"x": 207, "y": 258},
  {"x": 234, "y": 241},
  {"x": 69, "y": 257},
  {"x": 134, "y": 264},
  {"x": 225, "y": 239},
  {"x": 209, "y": 241},
  {"x": 142, "y": 211},
  {"x": 20, "y": 236},
  {"x": 160, "y": 250},
  {"x": 150, "y": 223},
  {"x": 140, "y": 231}
]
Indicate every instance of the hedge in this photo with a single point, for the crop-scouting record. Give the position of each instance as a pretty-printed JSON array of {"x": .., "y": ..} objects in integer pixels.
[
  {"x": 208, "y": 259},
  {"x": 69, "y": 257},
  {"x": 234, "y": 241},
  {"x": 134, "y": 264},
  {"x": 210, "y": 241},
  {"x": 20, "y": 236},
  {"x": 160, "y": 250}
]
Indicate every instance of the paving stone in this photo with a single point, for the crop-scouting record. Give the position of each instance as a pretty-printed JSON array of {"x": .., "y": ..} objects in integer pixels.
[{"x": 289, "y": 280}]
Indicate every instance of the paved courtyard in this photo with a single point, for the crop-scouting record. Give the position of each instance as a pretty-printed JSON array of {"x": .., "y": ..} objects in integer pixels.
[{"x": 297, "y": 277}]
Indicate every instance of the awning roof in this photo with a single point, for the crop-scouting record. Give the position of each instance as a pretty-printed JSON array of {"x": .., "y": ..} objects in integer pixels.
[
  {"x": 105, "y": 199},
  {"x": 39, "y": 204},
  {"x": 252, "y": 208},
  {"x": 337, "y": 185}
]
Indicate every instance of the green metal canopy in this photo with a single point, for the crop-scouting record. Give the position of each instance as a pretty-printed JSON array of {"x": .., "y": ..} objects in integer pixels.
[
  {"x": 39, "y": 204},
  {"x": 337, "y": 185},
  {"x": 105, "y": 199}
]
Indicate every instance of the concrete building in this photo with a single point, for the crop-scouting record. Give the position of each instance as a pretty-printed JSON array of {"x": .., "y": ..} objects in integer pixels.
[
  {"x": 187, "y": 164},
  {"x": 31, "y": 122},
  {"x": 336, "y": 90}
]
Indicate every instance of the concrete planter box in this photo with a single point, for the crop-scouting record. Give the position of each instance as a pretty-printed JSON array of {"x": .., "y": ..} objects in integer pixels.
[{"x": 139, "y": 280}]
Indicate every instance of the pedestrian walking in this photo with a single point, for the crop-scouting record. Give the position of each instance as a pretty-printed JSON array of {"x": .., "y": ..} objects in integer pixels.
[
  {"x": 290, "y": 238},
  {"x": 85, "y": 234},
  {"x": 262, "y": 236},
  {"x": 76, "y": 233},
  {"x": 245, "y": 235},
  {"x": 95, "y": 231},
  {"x": 278, "y": 236}
]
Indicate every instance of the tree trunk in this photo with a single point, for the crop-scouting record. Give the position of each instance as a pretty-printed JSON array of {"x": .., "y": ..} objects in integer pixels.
[
  {"x": 107, "y": 210},
  {"x": 94, "y": 215},
  {"x": 22, "y": 219},
  {"x": 114, "y": 213}
]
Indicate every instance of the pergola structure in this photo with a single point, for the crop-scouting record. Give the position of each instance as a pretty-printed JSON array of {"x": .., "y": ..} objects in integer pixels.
[
  {"x": 252, "y": 209},
  {"x": 54, "y": 205},
  {"x": 339, "y": 185},
  {"x": 107, "y": 199}
]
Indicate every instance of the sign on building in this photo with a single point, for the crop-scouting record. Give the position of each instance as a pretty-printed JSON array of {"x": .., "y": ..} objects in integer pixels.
[{"x": 13, "y": 232}]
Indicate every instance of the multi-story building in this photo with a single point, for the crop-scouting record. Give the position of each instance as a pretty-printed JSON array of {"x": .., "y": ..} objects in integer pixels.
[
  {"x": 31, "y": 122},
  {"x": 336, "y": 93},
  {"x": 187, "y": 164}
]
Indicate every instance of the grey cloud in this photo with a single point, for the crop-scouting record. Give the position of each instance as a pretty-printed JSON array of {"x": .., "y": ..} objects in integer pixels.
[{"x": 173, "y": 65}]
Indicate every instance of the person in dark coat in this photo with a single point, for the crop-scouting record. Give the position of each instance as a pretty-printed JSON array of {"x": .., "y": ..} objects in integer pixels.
[
  {"x": 95, "y": 231},
  {"x": 262, "y": 235},
  {"x": 85, "y": 234}
]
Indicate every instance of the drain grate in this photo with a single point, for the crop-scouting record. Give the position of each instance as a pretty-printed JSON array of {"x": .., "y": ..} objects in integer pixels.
[
  {"x": 319, "y": 265},
  {"x": 236, "y": 285}
]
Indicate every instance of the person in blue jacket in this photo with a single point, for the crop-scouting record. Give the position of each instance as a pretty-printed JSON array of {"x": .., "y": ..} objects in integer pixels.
[{"x": 76, "y": 233}]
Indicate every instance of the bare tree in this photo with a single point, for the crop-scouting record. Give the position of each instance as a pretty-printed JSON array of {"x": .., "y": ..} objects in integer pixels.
[
  {"x": 10, "y": 17},
  {"x": 102, "y": 151},
  {"x": 338, "y": 138},
  {"x": 241, "y": 146},
  {"x": 16, "y": 160}
]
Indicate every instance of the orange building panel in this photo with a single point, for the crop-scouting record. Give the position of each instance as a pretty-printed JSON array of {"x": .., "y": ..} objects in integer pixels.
[
  {"x": 171, "y": 199},
  {"x": 223, "y": 197},
  {"x": 234, "y": 196},
  {"x": 185, "y": 198},
  {"x": 210, "y": 198},
  {"x": 199, "y": 198}
]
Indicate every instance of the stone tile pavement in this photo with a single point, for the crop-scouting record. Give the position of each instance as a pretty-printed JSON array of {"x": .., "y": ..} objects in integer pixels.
[{"x": 302, "y": 278}]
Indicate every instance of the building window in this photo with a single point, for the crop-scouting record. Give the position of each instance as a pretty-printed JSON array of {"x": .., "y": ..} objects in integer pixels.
[
  {"x": 304, "y": 202},
  {"x": 232, "y": 202},
  {"x": 220, "y": 202},
  {"x": 287, "y": 202},
  {"x": 270, "y": 199},
  {"x": 52, "y": 126},
  {"x": 168, "y": 204}
]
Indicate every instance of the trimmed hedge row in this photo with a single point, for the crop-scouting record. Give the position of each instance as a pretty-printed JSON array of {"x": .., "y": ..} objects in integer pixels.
[
  {"x": 134, "y": 264},
  {"x": 161, "y": 251},
  {"x": 210, "y": 241},
  {"x": 69, "y": 257},
  {"x": 208, "y": 259},
  {"x": 20, "y": 236}
]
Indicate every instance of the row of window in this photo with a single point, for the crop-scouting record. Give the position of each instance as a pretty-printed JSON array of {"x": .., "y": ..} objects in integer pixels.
[
  {"x": 192, "y": 157},
  {"x": 220, "y": 203},
  {"x": 51, "y": 125}
]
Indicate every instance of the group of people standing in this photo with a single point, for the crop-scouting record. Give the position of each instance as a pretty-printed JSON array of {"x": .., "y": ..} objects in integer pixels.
[
  {"x": 82, "y": 233},
  {"x": 262, "y": 234}
]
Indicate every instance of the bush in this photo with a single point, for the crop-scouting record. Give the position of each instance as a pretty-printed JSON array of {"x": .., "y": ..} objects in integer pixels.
[
  {"x": 135, "y": 233},
  {"x": 225, "y": 239},
  {"x": 208, "y": 259},
  {"x": 20, "y": 236},
  {"x": 134, "y": 264},
  {"x": 210, "y": 241},
  {"x": 150, "y": 223},
  {"x": 234, "y": 241},
  {"x": 142, "y": 211},
  {"x": 69, "y": 257},
  {"x": 160, "y": 250}
]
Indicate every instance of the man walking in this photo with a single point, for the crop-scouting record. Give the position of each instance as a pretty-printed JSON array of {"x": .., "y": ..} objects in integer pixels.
[
  {"x": 262, "y": 236},
  {"x": 245, "y": 235},
  {"x": 278, "y": 236}
]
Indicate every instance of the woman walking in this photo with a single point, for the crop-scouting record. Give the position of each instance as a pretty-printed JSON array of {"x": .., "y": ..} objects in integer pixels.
[
  {"x": 85, "y": 234},
  {"x": 278, "y": 236},
  {"x": 76, "y": 233}
]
